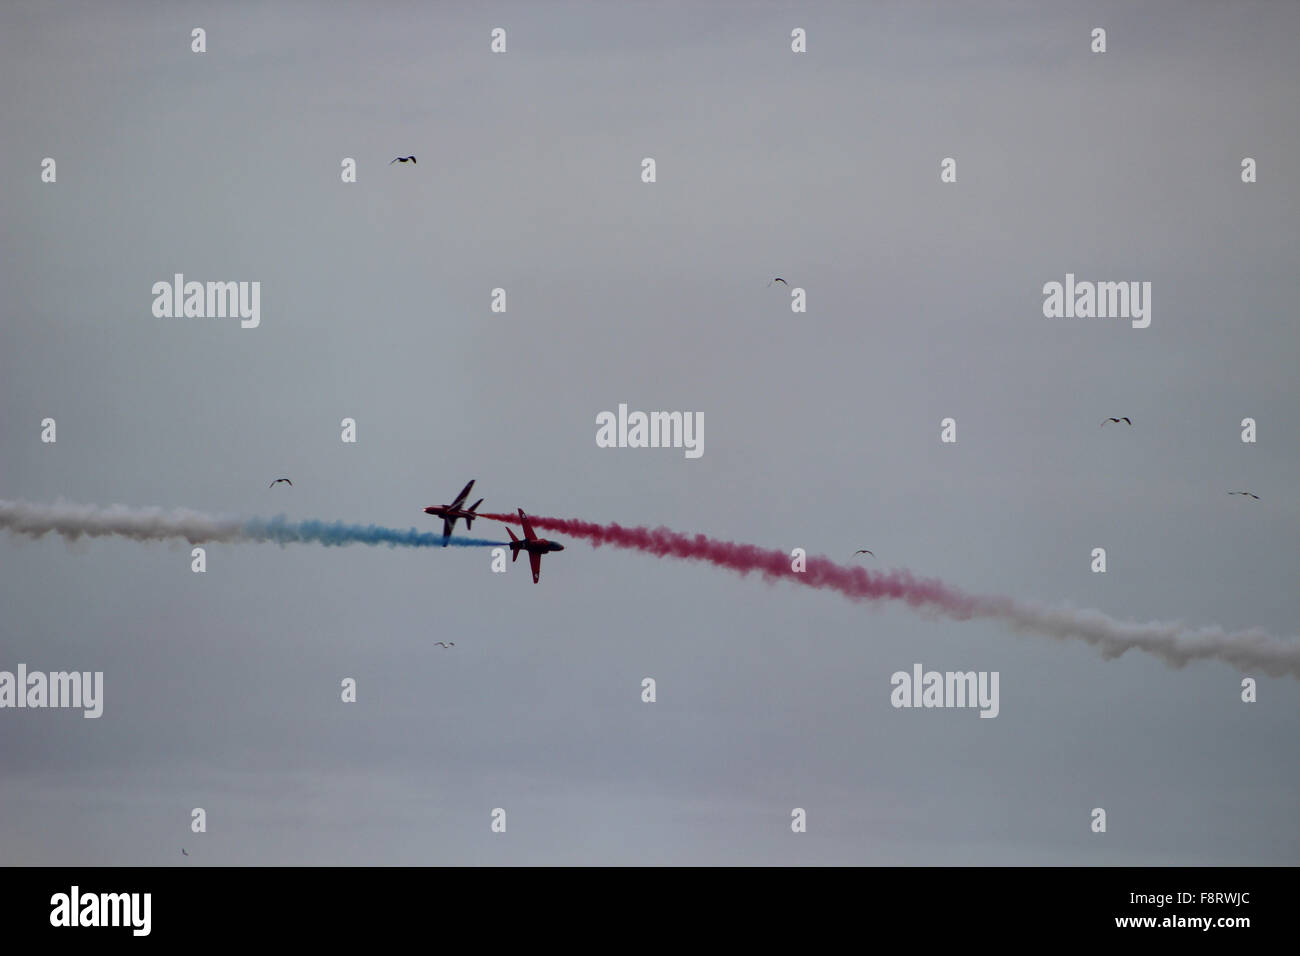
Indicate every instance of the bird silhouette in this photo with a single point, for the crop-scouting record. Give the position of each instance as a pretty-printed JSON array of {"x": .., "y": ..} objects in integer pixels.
[
  {"x": 1116, "y": 421},
  {"x": 778, "y": 279},
  {"x": 444, "y": 644},
  {"x": 278, "y": 480},
  {"x": 183, "y": 852},
  {"x": 404, "y": 159},
  {"x": 1248, "y": 494},
  {"x": 862, "y": 551}
]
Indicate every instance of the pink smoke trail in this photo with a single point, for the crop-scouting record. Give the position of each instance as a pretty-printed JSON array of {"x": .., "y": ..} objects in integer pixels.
[{"x": 1172, "y": 642}]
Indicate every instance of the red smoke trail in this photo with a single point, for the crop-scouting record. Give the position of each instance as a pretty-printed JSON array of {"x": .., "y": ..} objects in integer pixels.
[
  {"x": 1174, "y": 643},
  {"x": 821, "y": 573}
]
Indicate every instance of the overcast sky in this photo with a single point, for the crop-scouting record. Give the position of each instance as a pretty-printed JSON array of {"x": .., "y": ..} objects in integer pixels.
[{"x": 924, "y": 301}]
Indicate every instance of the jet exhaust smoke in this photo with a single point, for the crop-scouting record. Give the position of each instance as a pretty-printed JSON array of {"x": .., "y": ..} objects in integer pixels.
[
  {"x": 73, "y": 521},
  {"x": 1176, "y": 644}
]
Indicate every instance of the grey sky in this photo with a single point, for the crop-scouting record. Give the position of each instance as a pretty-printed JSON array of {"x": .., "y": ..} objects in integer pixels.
[{"x": 924, "y": 301}]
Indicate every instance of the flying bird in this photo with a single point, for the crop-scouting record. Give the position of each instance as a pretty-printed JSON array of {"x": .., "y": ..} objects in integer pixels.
[
  {"x": 183, "y": 852},
  {"x": 1249, "y": 494},
  {"x": 1116, "y": 421},
  {"x": 404, "y": 159},
  {"x": 444, "y": 644},
  {"x": 278, "y": 480},
  {"x": 862, "y": 551},
  {"x": 780, "y": 280}
]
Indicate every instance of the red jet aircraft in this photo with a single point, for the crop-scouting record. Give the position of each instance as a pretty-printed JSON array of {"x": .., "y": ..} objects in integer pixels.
[
  {"x": 535, "y": 546},
  {"x": 449, "y": 513}
]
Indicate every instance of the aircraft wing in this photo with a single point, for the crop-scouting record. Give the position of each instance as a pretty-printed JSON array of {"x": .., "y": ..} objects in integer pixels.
[
  {"x": 528, "y": 528},
  {"x": 447, "y": 525},
  {"x": 536, "y": 560},
  {"x": 464, "y": 493}
]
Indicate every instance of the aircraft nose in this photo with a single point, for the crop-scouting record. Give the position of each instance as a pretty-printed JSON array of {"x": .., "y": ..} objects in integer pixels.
[
  {"x": 428, "y": 511},
  {"x": 559, "y": 547}
]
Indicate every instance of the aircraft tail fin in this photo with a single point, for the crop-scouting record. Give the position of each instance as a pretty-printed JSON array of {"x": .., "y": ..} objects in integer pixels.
[{"x": 469, "y": 518}]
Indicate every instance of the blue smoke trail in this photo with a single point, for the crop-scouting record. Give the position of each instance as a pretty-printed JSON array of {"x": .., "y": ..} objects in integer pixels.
[{"x": 336, "y": 534}]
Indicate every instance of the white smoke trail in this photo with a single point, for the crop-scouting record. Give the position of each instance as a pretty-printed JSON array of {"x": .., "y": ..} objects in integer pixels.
[
  {"x": 1174, "y": 643},
  {"x": 74, "y": 521}
]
